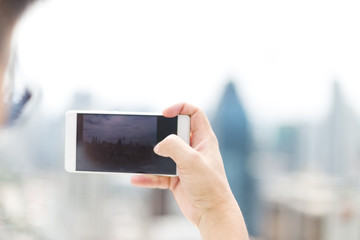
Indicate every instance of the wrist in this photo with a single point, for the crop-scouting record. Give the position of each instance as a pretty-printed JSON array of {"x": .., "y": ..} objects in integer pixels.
[{"x": 223, "y": 222}]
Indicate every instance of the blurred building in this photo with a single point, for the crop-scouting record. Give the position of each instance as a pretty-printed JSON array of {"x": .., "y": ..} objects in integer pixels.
[
  {"x": 323, "y": 203},
  {"x": 339, "y": 145},
  {"x": 287, "y": 143},
  {"x": 233, "y": 132},
  {"x": 310, "y": 206}
]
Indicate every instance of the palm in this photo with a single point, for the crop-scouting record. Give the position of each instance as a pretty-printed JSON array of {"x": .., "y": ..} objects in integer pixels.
[{"x": 188, "y": 208}]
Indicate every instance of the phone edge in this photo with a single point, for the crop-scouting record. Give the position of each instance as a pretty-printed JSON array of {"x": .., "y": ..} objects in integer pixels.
[
  {"x": 70, "y": 141},
  {"x": 183, "y": 131}
]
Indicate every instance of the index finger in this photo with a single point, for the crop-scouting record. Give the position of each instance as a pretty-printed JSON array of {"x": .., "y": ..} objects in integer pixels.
[{"x": 199, "y": 124}]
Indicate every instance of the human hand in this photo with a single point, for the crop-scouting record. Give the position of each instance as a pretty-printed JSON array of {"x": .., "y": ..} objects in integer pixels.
[{"x": 201, "y": 189}]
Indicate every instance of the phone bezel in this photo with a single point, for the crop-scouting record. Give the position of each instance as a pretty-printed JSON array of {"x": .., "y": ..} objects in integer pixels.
[{"x": 183, "y": 131}]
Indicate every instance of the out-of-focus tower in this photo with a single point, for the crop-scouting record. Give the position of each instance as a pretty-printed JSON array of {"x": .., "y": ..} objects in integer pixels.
[
  {"x": 232, "y": 129},
  {"x": 340, "y": 139}
]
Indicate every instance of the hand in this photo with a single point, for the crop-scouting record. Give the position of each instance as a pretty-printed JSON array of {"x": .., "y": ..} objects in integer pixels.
[{"x": 201, "y": 189}]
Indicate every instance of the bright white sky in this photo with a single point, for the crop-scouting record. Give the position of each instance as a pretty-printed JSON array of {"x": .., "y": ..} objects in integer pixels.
[{"x": 284, "y": 55}]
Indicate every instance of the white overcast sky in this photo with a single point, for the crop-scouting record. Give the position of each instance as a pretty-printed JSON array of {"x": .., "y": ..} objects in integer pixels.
[{"x": 283, "y": 55}]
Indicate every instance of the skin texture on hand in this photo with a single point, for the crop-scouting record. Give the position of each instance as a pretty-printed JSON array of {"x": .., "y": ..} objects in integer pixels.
[{"x": 201, "y": 189}]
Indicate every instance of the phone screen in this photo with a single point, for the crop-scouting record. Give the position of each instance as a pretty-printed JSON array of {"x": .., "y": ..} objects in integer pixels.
[{"x": 123, "y": 143}]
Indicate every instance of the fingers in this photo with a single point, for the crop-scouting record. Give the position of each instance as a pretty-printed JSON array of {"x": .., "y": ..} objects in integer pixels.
[
  {"x": 177, "y": 109},
  {"x": 186, "y": 158},
  {"x": 199, "y": 124},
  {"x": 174, "y": 147},
  {"x": 151, "y": 181}
]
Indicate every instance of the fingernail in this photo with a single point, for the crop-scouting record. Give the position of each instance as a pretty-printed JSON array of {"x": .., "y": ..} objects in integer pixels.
[{"x": 156, "y": 148}]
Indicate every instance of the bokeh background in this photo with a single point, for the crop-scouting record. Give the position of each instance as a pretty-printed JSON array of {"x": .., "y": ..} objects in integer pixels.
[{"x": 279, "y": 81}]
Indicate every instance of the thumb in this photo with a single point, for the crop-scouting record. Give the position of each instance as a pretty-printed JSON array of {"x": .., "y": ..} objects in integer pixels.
[{"x": 178, "y": 150}]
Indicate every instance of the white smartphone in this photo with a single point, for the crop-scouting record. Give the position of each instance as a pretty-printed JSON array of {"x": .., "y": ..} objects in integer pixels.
[{"x": 120, "y": 142}]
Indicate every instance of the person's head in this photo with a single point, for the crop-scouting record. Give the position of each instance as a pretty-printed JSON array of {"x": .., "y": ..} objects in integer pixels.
[{"x": 10, "y": 12}]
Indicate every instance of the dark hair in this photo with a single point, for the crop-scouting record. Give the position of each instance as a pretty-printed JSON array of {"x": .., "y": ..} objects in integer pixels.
[{"x": 12, "y": 9}]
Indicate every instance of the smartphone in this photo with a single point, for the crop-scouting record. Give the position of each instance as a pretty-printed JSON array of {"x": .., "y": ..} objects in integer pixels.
[{"x": 120, "y": 142}]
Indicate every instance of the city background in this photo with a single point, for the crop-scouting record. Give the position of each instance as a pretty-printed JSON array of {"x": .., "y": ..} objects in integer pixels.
[{"x": 279, "y": 82}]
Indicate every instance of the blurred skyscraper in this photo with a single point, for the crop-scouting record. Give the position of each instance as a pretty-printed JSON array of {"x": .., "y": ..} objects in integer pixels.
[
  {"x": 339, "y": 144},
  {"x": 288, "y": 145},
  {"x": 233, "y": 131}
]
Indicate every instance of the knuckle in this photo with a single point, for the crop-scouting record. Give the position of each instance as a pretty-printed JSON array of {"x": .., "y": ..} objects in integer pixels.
[
  {"x": 194, "y": 156},
  {"x": 171, "y": 139}
]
